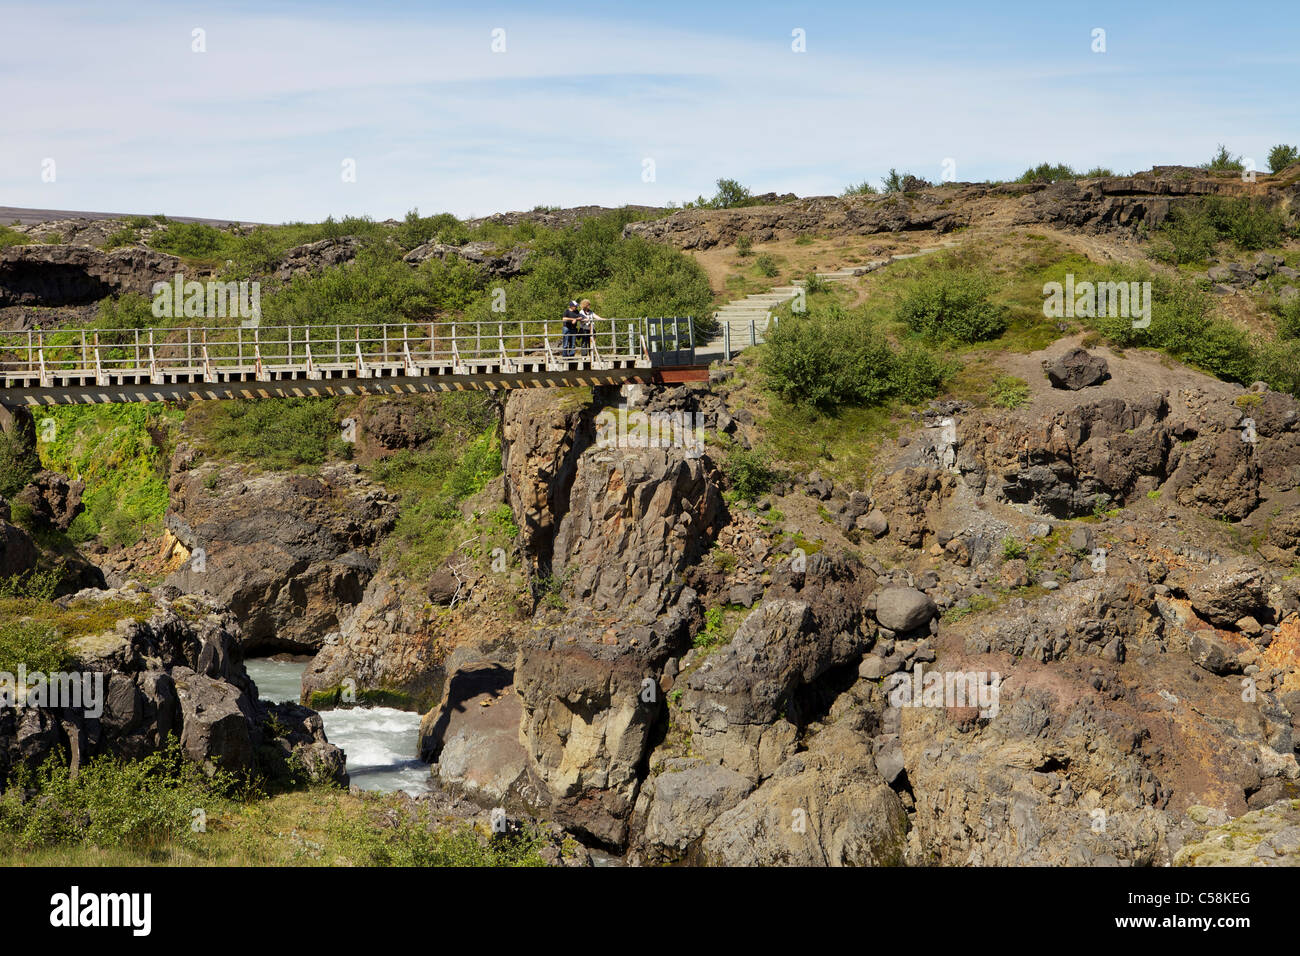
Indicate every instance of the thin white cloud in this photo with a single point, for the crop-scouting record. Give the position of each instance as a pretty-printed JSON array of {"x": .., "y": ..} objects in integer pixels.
[{"x": 259, "y": 125}]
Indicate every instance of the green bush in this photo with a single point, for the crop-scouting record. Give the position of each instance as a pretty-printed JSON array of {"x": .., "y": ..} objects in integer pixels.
[
  {"x": 749, "y": 472},
  {"x": 828, "y": 359},
  {"x": 34, "y": 644},
  {"x": 898, "y": 182},
  {"x": 124, "y": 236},
  {"x": 191, "y": 239},
  {"x": 461, "y": 456},
  {"x": 416, "y": 230},
  {"x": 1192, "y": 230},
  {"x": 766, "y": 266},
  {"x": 863, "y": 188},
  {"x": 142, "y": 803},
  {"x": 274, "y": 433},
  {"x": 918, "y": 373},
  {"x": 120, "y": 451},
  {"x": 1289, "y": 319},
  {"x": 19, "y": 463},
  {"x": 1282, "y": 156},
  {"x": 1047, "y": 173},
  {"x": 1249, "y": 222},
  {"x": 1278, "y": 365},
  {"x": 952, "y": 304},
  {"x": 1182, "y": 324},
  {"x": 418, "y": 839},
  {"x": 831, "y": 358},
  {"x": 744, "y": 246},
  {"x": 1188, "y": 236}
]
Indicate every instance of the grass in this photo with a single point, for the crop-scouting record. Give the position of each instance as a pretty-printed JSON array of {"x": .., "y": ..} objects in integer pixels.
[
  {"x": 461, "y": 457},
  {"x": 121, "y": 453},
  {"x": 162, "y": 811},
  {"x": 57, "y": 624},
  {"x": 1009, "y": 391},
  {"x": 9, "y": 237},
  {"x": 270, "y": 433}
]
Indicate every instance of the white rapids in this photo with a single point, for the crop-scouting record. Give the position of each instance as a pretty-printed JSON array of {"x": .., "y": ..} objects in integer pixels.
[{"x": 380, "y": 742}]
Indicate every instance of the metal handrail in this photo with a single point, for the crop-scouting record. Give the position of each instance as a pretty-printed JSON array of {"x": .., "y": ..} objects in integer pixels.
[{"x": 209, "y": 351}]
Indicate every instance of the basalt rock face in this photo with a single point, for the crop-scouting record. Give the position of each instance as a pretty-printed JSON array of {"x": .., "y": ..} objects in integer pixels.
[
  {"x": 825, "y": 806},
  {"x": 541, "y": 441},
  {"x": 748, "y": 701},
  {"x": 1112, "y": 449},
  {"x": 382, "y": 645},
  {"x": 315, "y": 256},
  {"x": 289, "y": 553},
  {"x": 1122, "y": 204},
  {"x": 60, "y": 275},
  {"x": 53, "y": 500},
  {"x": 503, "y": 265},
  {"x": 18, "y": 552},
  {"x": 635, "y": 520},
  {"x": 591, "y": 698},
  {"x": 616, "y": 528},
  {"x": 169, "y": 668},
  {"x": 894, "y": 212}
]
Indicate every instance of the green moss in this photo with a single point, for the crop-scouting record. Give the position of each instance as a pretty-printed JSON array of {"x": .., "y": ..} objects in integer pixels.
[{"x": 121, "y": 453}]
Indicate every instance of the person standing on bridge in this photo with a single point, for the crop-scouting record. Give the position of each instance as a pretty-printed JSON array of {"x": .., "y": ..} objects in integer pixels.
[
  {"x": 572, "y": 318},
  {"x": 589, "y": 320}
]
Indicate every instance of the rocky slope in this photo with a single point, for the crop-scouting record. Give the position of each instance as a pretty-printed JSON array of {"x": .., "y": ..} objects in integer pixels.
[
  {"x": 171, "y": 664},
  {"x": 1120, "y": 204}
]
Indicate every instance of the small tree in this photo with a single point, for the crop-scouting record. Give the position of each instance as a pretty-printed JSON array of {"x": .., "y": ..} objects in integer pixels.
[
  {"x": 1224, "y": 162},
  {"x": 1282, "y": 156},
  {"x": 730, "y": 193}
]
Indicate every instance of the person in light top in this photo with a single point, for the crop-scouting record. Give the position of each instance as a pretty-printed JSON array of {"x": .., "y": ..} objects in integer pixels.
[{"x": 589, "y": 320}]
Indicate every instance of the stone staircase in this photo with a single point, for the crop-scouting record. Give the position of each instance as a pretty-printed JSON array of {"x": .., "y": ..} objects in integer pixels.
[{"x": 743, "y": 322}]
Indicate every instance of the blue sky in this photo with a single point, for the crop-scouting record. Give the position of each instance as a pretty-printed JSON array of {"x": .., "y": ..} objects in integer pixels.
[{"x": 584, "y": 95}]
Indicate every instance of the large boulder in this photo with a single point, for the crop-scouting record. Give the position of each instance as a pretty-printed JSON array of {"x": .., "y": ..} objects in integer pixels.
[
  {"x": 743, "y": 703},
  {"x": 904, "y": 609},
  {"x": 1226, "y": 593},
  {"x": 1076, "y": 368},
  {"x": 472, "y": 736},
  {"x": 683, "y": 799},
  {"x": 168, "y": 667},
  {"x": 54, "y": 501},
  {"x": 636, "y": 519},
  {"x": 541, "y": 440},
  {"x": 826, "y": 806},
  {"x": 591, "y": 698},
  {"x": 503, "y": 265}
]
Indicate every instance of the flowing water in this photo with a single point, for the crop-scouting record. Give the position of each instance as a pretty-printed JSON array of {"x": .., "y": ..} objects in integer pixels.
[{"x": 380, "y": 742}]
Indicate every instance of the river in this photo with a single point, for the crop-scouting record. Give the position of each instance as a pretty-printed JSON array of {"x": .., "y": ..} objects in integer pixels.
[{"x": 380, "y": 742}]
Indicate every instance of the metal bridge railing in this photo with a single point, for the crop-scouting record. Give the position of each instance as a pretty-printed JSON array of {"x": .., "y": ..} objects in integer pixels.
[{"x": 214, "y": 353}]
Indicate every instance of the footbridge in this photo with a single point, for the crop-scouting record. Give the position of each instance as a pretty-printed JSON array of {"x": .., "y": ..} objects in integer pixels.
[{"x": 250, "y": 359}]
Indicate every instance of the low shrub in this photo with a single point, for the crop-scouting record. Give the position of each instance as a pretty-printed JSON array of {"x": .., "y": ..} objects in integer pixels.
[
  {"x": 952, "y": 305},
  {"x": 749, "y": 471}
]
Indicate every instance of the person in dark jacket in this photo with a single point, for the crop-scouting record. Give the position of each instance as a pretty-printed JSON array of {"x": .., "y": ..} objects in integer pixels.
[{"x": 572, "y": 317}]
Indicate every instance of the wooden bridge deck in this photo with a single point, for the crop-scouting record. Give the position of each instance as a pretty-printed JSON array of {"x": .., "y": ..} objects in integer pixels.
[{"x": 181, "y": 364}]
